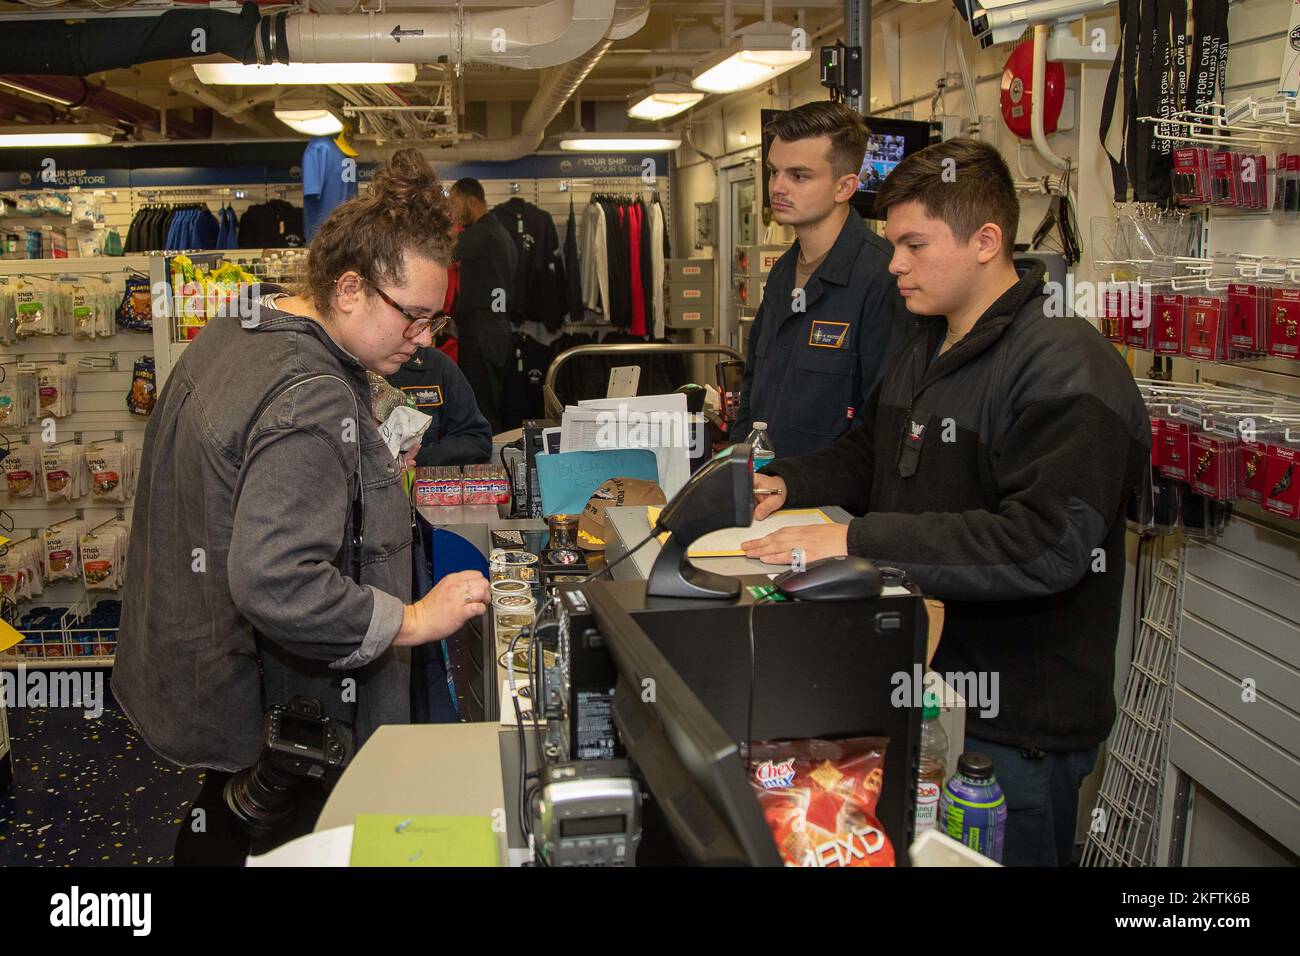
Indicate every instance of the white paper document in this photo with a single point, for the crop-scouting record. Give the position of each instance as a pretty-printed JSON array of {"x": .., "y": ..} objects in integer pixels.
[
  {"x": 726, "y": 543},
  {"x": 659, "y": 423}
]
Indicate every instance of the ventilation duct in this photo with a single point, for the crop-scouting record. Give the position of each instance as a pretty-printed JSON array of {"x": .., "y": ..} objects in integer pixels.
[
  {"x": 557, "y": 87},
  {"x": 74, "y": 93},
  {"x": 53, "y": 47},
  {"x": 527, "y": 38}
]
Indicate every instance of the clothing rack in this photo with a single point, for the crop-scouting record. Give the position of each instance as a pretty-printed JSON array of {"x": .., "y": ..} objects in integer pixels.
[{"x": 188, "y": 192}]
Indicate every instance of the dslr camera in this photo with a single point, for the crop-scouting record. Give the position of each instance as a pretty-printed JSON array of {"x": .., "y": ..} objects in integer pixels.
[{"x": 299, "y": 743}]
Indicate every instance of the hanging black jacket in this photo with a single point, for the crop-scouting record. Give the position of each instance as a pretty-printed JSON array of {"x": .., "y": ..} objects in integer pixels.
[
  {"x": 997, "y": 476},
  {"x": 540, "y": 283},
  {"x": 572, "y": 269}
]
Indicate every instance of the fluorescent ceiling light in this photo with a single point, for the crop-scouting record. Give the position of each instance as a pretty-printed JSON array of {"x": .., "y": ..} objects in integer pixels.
[
  {"x": 619, "y": 142},
  {"x": 71, "y": 135},
  {"x": 759, "y": 52},
  {"x": 286, "y": 74},
  {"x": 664, "y": 98},
  {"x": 312, "y": 122}
]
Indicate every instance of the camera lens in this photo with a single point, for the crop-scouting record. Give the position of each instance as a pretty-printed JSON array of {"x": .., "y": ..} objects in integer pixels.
[{"x": 261, "y": 798}]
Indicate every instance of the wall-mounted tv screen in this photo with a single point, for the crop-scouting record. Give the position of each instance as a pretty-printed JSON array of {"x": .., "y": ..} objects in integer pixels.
[{"x": 888, "y": 142}]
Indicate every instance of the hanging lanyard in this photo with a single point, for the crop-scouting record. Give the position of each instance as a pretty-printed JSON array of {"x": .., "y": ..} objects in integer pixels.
[{"x": 1118, "y": 174}]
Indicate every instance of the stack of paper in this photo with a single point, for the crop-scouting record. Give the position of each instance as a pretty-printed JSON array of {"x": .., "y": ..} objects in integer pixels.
[{"x": 659, "y": 423}]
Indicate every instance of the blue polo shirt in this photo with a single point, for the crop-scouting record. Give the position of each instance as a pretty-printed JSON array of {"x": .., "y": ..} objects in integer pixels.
[{"x": 323, "y": 185}]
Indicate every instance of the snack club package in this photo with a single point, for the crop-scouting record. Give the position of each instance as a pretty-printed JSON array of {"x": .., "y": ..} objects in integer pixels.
[{"x": 819, "y": 799}]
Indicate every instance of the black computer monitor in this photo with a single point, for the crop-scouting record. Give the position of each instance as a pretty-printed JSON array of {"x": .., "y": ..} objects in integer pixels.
[
  {"x": 888, "y": 141},
  {"x": 681, "y": 704}
]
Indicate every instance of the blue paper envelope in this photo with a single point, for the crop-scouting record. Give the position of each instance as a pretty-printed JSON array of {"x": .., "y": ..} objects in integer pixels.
[{"x": 570, "y": 478}]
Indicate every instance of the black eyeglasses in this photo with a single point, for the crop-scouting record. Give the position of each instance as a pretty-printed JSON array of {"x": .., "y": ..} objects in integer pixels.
[{"x": 416, "y": 324}]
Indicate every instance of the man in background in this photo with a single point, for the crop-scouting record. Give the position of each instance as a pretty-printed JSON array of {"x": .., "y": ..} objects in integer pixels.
[
  {"x": 487, "y": 258},
  {"x": 459, "y": 434},
  {"x": 831, "y": 312}
]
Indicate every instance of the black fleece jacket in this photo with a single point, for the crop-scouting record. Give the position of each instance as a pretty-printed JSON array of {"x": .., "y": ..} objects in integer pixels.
[{"x": 996, "y": 475}]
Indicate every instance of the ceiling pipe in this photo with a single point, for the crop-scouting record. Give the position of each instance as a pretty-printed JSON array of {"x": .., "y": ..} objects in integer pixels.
[
  {"x": 15, "y": 107},
  {"x": 241, "y": 111},
  {"x": 75, "y": 93},
  {"x": 556, "y": 88},
  {"x": 62, "y": 48},
  {"x": 1038, "y": 97},
  {"x": 527, "y": 38}
]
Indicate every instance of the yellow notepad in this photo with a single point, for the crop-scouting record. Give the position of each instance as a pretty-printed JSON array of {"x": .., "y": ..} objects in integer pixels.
[{"x": 726, "y": 543}]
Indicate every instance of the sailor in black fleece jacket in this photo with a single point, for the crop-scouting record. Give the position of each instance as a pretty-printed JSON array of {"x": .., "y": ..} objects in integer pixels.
[{"x": 993, "y": 465}]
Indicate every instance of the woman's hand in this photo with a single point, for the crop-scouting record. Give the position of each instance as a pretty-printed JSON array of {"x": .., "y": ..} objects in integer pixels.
[
  {"x": 442, "y": 612},
  {"x": 408, "y": 456}
]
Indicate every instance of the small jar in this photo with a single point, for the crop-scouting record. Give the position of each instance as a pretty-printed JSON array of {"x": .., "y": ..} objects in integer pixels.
[
  {"x": 564, "y": 531},
  {"x": 512, "y": 566}
]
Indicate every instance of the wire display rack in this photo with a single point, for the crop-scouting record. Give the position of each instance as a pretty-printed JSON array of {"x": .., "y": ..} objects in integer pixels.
[
  {"x": 1125, "y": 823},
  {"x": 75, "y": 641}
]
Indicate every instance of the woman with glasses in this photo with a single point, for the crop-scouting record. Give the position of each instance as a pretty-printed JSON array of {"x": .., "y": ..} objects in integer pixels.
[{"x": 270, "y": 551}]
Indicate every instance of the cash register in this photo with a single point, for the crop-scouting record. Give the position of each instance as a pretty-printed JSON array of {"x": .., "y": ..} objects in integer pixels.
[{"x": 659, "y": 687}]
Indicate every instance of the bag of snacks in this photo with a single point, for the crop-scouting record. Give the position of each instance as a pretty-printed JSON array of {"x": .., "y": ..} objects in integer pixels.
[
  {"x": 22, "y": 468},
  {"x": 819, "y": 799},
  {"x": 62, "y": 551},
  {"x": 57, "y": 387},
  {"x": 18, "y": 398},
  {"x": 140, "y": 401},
  {"x": 135, "y": 312},
  {"x": 108, "y": 465},
  {"x": 102, "y": 552},
  {"x": 34, "y": 309},
  {"x": 64, "y": 468}
]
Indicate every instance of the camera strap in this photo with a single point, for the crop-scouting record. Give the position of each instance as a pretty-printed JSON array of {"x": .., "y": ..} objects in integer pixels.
[{"x": 349, "y": 559}]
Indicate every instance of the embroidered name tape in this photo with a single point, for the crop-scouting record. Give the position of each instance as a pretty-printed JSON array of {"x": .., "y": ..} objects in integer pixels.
[
  {"x": 829, "y": 335},
  {"x": 425, "y": 396}
]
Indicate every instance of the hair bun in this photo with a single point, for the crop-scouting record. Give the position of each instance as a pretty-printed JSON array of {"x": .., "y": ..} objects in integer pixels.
[{"x": 405, "y": 176}]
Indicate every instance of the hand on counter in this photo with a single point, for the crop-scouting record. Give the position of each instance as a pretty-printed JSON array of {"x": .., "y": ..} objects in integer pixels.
[
  {"x": 442, "y": 612},
  {"x": 765, "y": 504},
  {"x": 817, "y": 541}
]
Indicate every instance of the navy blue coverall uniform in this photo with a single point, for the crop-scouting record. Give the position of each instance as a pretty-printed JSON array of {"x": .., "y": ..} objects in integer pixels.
[
  {"x": 808, "y": 371},
  {"x": 459, "y": 434}
]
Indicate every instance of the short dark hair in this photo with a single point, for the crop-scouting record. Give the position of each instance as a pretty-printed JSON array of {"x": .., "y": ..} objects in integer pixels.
[
  {"x": 846, "y": 129},
  {"x": 469, "y": 187},
  {"x": 974, "y": 188}
]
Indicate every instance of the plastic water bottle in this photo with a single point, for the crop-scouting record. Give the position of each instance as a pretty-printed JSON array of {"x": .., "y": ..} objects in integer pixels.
[
  {"x": 761, "y": 445},
  {"x": 972, "y": 808},
  {"x": 934, "y": 767}
]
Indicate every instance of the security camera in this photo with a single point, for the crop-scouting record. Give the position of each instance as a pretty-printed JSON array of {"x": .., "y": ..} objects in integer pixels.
[{"x": 1003, "y": 21}]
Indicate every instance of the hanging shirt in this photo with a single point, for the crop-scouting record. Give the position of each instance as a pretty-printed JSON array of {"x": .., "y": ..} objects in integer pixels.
[
  {"x": 657, "y": 264},
  {"x": 634, "y": 252},
  {"x": 594, "y": 259},
  {"x": 324, "y": 185}
]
